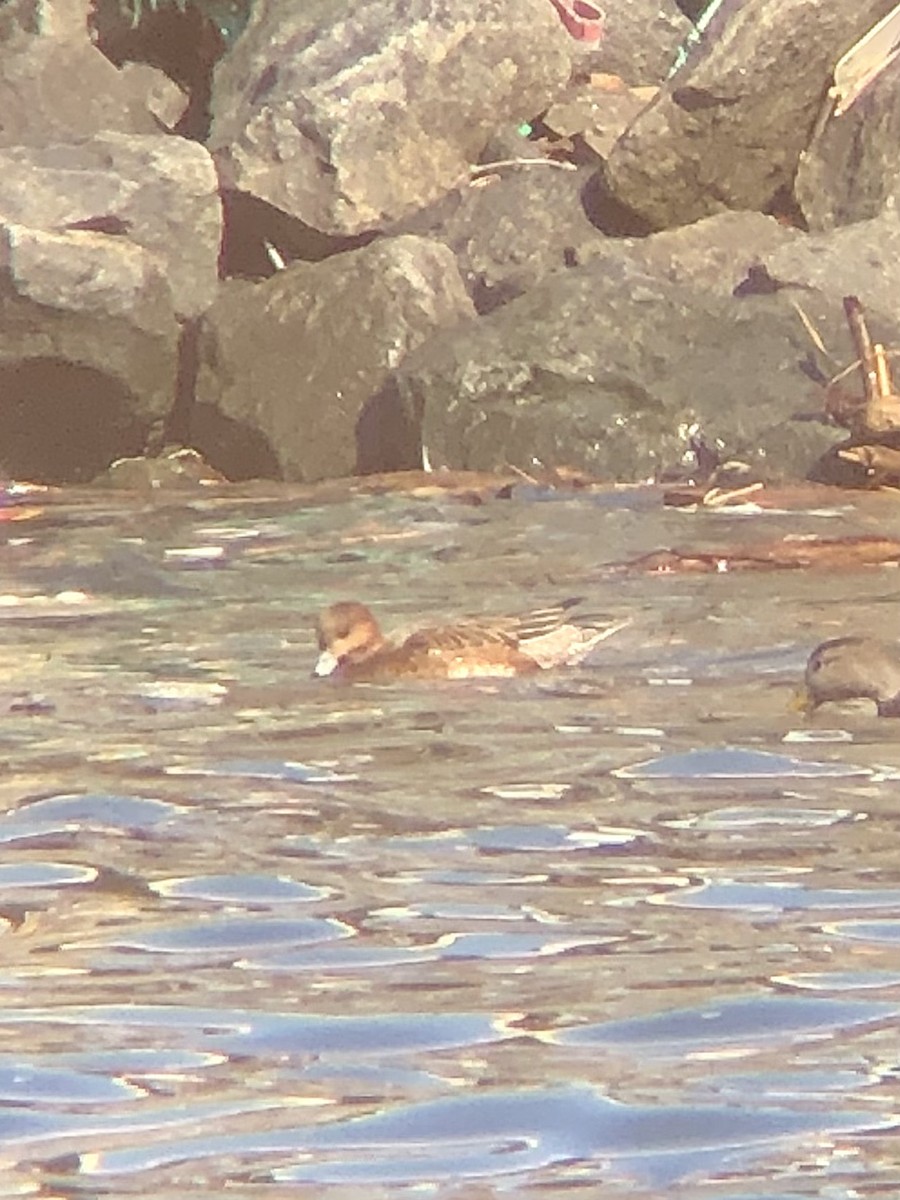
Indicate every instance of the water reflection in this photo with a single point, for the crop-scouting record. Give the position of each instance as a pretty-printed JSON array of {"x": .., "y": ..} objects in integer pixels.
[{"x": 631, "y": 927}]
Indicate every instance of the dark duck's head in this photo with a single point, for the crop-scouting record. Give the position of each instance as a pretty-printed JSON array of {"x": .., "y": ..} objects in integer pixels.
[{"x": 854, "y": 668}]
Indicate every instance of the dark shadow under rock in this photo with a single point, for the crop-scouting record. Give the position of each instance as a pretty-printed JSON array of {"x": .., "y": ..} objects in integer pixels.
[
  {"x": 389, "y": 430},
  {"x": 609, "y": 213},
  {"x": 257, "y": 235},
  {"x": 181, "y": 40},
  {"x": 63, "y": 423},
  {"x": 233, "y": 447}
]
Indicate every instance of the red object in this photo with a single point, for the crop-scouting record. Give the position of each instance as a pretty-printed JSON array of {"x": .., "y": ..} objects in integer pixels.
[{"x": 584, "y": 21}]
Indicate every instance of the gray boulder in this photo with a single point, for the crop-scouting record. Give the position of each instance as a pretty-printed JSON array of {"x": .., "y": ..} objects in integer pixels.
[
  {"x": 88, "y": 355},
  {"x": 594, "y": 118},
  {"x": 105, "y": 246},
  {"x": 56, "y": 85},
  {"x": 612, "y": 367},
  {"x": 861, "y": 259},
  {"x": 728, "y": 129},
  {"x": 286, "y": 365},
  {"x": 851, "y": 168},
  {"x": 351, "y": 119},
  {"x": 639, "y": 44},
  {"x": 156, "y": 192},
  {"x": 511, "y": 229}
]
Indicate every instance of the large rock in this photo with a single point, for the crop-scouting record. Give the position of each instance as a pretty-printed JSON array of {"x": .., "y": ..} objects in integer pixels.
[
  {"x": 56, "y": 85},
  {"x": 712, "y": 255},
  {"x": 593, "y": 117},
  {"x": 156, "y": 192},
  {"x": 861, "y": 259},
  {"x": 612, "y": 366},
  {"x": 350, "y": 119},
  {"x": 286, "y": 365},
  {"x": 105, "y": 247},
  {"x": 511, "y": 229},
  {"x": 729, "y": 128},
  {"x": 640, "y": 41},
  {"x": 852, "y": 166},
  {"x": 88, "y": 357}
]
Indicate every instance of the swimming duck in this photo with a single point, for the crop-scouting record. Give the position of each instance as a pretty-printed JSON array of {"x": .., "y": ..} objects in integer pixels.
[
  {"x": 851, "y": 668},
  {"x": 352, "y": 647}
]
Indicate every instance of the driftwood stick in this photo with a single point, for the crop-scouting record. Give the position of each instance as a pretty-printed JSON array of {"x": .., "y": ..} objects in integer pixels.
[
  {"x": 814, "y": 336},
  {"x": 476, "y": 170},
  {"x": 878, "y": 460},
  {"x": 883, "y": 380},
  {"x": 862, "y": 342},
  {"x": 881, "y": 411}
]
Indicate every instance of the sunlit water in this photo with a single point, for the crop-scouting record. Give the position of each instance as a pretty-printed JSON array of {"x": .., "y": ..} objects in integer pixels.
[{"x": 630, "y": 929}]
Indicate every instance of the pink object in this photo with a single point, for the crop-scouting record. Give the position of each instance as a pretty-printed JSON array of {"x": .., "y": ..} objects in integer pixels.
[{"x": 583, "y": 20}]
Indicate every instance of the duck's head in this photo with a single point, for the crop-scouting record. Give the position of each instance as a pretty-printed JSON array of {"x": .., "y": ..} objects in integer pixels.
[
  {"x": 347, "y": 633},
  {"x": 854, "y": 668}
]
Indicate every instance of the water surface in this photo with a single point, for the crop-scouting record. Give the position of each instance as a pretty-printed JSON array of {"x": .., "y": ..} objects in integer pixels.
[{"x": 631, "y": 927}]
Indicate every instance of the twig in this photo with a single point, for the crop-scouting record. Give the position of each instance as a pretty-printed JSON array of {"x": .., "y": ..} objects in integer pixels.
[
  {"x": 522, "y": 474},
  {"x": 722, "y": 497},
  {"x": 883, "y": 380},
  {"x": 479, "y": 169},
  {"x": 848, "y": 370},
  {"x": 862, "y": 341},
  {"x": 882, "y": 460},
  {"x": 812, "y": 331}
]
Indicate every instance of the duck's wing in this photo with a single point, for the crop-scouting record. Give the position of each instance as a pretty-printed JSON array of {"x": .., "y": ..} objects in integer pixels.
[
  {"x": 553, "y": 639},
  {"x": 512, "y": 631},
  {"x": 459, "y": 638},
  {"x": 539, "y": 622}
]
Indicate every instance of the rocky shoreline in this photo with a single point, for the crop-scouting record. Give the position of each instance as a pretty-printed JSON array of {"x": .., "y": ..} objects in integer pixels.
[{"x": 356, "y": 238}]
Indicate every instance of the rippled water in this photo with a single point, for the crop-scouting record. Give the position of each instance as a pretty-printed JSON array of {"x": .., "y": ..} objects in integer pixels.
[{"x": 631, "y": 928}]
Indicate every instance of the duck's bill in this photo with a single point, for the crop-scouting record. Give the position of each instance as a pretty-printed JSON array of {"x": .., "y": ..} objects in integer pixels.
[{"x": 326, "y": 664}]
